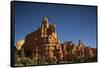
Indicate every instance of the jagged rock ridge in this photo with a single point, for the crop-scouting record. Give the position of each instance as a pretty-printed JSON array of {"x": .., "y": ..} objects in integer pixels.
[{"x": 44, "y": 44}]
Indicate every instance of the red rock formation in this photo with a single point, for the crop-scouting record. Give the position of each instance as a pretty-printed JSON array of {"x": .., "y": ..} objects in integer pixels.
[{"x": 43, "y": 42}]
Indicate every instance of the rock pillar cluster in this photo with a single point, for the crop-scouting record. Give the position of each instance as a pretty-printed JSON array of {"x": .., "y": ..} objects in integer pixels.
[{"x": 43, "y": 43}]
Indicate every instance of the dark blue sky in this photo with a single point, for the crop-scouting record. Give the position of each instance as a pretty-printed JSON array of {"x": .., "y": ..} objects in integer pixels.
[{"x": 72, "y": 22}]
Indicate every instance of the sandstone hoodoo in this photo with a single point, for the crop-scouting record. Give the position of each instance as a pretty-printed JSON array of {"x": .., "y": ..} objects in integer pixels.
[
  {"x": 43, "y": 43},
  {"x": 43, "y": 47}
]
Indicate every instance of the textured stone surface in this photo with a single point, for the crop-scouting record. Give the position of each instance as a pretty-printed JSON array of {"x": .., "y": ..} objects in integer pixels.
[
  {"x": 19, "y": 44},
  {"x": 43, "y": 42},
  {"x": 44, "y": 46}
]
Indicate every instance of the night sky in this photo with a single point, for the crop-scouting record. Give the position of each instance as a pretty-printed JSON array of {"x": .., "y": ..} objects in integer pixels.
[{"x": 72, "y": 22}]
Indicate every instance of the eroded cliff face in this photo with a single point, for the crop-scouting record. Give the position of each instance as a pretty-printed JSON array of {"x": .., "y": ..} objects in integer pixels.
[
  {"x": 43, "y": 43},
  {"x": 43, "y": 47}
]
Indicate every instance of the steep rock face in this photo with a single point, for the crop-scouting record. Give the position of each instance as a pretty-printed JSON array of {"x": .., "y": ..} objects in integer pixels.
[
  {"x": 43, "y": 43},
  {"x": 43, "y": 47}
]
